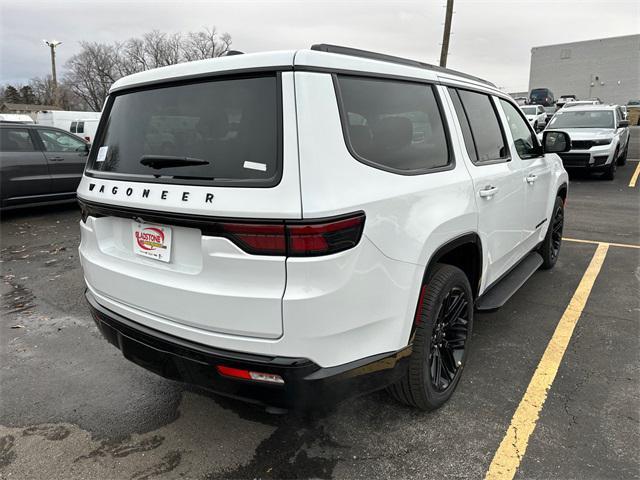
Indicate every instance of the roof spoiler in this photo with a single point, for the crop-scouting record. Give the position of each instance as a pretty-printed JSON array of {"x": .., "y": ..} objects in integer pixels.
[{"x": 355, "y": 52}]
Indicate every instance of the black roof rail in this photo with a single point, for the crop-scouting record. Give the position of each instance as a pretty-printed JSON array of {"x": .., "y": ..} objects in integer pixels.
[
  {"x": 231, "y": 53},
  {"x": 355, "y": 52}
]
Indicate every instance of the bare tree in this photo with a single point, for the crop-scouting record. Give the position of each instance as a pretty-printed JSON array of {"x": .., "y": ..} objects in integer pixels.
[
  {"x": 43, "y": 89},
  {"x": 205, "y": 44},
  {"x": 91, "y": 72}
]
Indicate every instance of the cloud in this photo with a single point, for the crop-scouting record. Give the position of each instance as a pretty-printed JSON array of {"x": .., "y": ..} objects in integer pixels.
[{"x": 491, "y": 39}]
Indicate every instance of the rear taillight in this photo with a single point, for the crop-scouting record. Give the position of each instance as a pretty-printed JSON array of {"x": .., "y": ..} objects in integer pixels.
[
  {"x": 249, "y": 375},
  {"x": 257, "y": 239},
  {"x": 324, "y": 238},
  {"x": 297, "y": 238}
]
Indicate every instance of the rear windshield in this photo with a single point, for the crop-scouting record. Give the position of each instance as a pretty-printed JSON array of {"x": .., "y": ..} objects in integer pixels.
[
  {"x": 214, "y": 132},
  {"x": 530, "y": 110}
]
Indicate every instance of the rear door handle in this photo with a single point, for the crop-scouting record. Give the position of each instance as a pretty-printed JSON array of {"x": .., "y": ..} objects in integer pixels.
[
  {"x": 56, "y": 159},
  {"x": 488, "y": 191},
  {"x": 531, "y": 178}
]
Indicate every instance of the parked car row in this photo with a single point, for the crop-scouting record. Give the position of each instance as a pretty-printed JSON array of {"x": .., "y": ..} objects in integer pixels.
[
  {"x": 536, "y": 115},
  {"x": 39, "y": 164}
]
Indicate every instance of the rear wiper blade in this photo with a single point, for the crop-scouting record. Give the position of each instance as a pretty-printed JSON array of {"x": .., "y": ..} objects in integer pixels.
[{"x": 168, "y": 161}]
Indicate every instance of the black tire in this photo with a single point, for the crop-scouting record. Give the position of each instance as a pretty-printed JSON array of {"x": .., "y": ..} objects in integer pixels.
[
  {"x": 550, "y": 248},
  {"x": 446, "y": 295},
  {"x": 610, "y": 172},
  {"x": 623, "y": 158}
]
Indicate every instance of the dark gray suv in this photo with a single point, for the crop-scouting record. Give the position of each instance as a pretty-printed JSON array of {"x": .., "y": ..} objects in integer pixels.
[{"x": 39, "y": 164}]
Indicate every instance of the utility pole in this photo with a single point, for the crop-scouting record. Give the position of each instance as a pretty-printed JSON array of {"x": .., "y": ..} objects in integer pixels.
[
  {"x": 447, "y": 33},
  {"x": 52, "y": 45}
]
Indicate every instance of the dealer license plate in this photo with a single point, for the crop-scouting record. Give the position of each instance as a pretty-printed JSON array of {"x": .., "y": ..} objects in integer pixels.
[{"x": 153, "y": 241}]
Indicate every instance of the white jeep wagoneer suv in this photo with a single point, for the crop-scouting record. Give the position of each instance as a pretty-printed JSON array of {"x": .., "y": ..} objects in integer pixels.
[{"x": 297, "y": 227}]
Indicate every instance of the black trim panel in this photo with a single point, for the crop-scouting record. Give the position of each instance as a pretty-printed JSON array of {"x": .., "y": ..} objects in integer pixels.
[
  {"x": 214, "y": 226},
  {"x": 306, "y": 385}
]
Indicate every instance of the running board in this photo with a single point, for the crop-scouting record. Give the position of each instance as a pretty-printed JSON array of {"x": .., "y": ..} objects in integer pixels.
[{"x": 499, "y": 293}]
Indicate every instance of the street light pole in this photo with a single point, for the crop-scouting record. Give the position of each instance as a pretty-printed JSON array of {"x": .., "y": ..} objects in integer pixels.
[
  {"x": 52, "y": 45},
  {"x": 447, "y": 33}
]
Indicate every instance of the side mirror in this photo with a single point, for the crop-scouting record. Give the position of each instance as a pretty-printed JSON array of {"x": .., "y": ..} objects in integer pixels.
[
  {"x": 87, "y": 148},
  {"x": 554, "y": 141},
  {"x": 623, "y": 123}
]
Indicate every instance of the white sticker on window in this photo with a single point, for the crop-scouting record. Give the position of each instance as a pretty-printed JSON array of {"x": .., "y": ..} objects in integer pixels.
[
  {"x": 255, "y": 166},
  {"x": 102, "y": 154}
]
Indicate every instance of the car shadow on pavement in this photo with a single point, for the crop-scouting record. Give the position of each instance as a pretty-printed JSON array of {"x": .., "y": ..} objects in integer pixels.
[{"x": 27, "y": 213}]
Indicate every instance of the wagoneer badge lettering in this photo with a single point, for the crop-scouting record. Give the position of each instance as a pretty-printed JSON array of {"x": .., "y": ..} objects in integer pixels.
[{"x": 184, "y": 195}]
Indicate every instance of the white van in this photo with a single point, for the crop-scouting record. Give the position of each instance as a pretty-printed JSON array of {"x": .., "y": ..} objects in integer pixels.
[
  {"x": 63, "y": 118},
  {"x": 85, "y": 128},
  {"x": 298, "y": 227}
]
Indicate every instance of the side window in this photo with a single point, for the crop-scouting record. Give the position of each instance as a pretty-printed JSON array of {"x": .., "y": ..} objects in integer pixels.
[
  {"x": 16, "y": 140},
  {"x": 464, "y": 124},
  {"x": 393, "y": 125},
  {"x": 55, "y": 141},
  {"x": 487, "y": 133},
  {"x": 74, "y": 126},
  {"x": 525, "y": 141},
  {"x": 80, "y": 127}
]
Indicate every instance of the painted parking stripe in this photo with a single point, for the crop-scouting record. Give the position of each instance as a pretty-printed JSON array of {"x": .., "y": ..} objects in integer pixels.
[
  {"x": 634, "y": 177},
  {"x": 514, "y": 444},
  {"x": 595, "y": 242}
]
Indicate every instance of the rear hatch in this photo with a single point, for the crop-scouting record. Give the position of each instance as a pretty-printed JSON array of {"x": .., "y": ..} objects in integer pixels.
[{"x": 184, "y": 185}]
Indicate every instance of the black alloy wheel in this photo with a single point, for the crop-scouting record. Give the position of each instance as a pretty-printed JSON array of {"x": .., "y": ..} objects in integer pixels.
[
  {"x": 443, "y": 326},
  {"x": 449, "y": 339},
  {"x": 556, "y": 232},
  {"x": 550, "y": 247}
]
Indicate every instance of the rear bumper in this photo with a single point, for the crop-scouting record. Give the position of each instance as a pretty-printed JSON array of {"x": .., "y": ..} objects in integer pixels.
[{"x": 306, "y": 385}]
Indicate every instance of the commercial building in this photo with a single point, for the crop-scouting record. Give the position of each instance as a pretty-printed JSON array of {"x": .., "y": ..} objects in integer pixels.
[{"x": 607, "y": 68}]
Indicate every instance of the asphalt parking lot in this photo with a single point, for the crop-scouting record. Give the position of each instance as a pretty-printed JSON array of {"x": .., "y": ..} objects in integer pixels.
[{"x": 73, "y": 407}]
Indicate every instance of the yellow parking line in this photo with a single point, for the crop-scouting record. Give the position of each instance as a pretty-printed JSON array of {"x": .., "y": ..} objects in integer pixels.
[
  {"x": 595, "y": 242},
  {"x": 514, "y": 444},
  {"x": 634, "y": 177}
]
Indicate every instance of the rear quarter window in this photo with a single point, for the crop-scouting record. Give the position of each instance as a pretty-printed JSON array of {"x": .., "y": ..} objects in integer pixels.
[
  {"x": 393, "y": 125},
  {"x": 228, "y": 130},
  {"x": 15, "y": 140}
]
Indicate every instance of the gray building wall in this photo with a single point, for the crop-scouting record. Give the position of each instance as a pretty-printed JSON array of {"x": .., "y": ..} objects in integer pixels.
[{"x": 608, "y": 68}]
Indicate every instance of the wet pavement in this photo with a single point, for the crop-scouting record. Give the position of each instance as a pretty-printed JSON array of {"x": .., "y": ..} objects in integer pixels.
[{"x": 73, "y": 407}]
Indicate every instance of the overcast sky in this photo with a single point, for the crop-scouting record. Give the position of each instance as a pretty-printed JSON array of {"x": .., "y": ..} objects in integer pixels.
[{"x": 491, "y": 38}]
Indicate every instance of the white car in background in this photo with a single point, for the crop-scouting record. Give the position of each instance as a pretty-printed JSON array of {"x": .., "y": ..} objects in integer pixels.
[
  {"x": 16, "y": 117},
  {"x": 536, "y": 115},
  {"x": 581, "y": 103},
  {"x": 564, "y": 99},
  {"x": 599, "y": 137}
]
